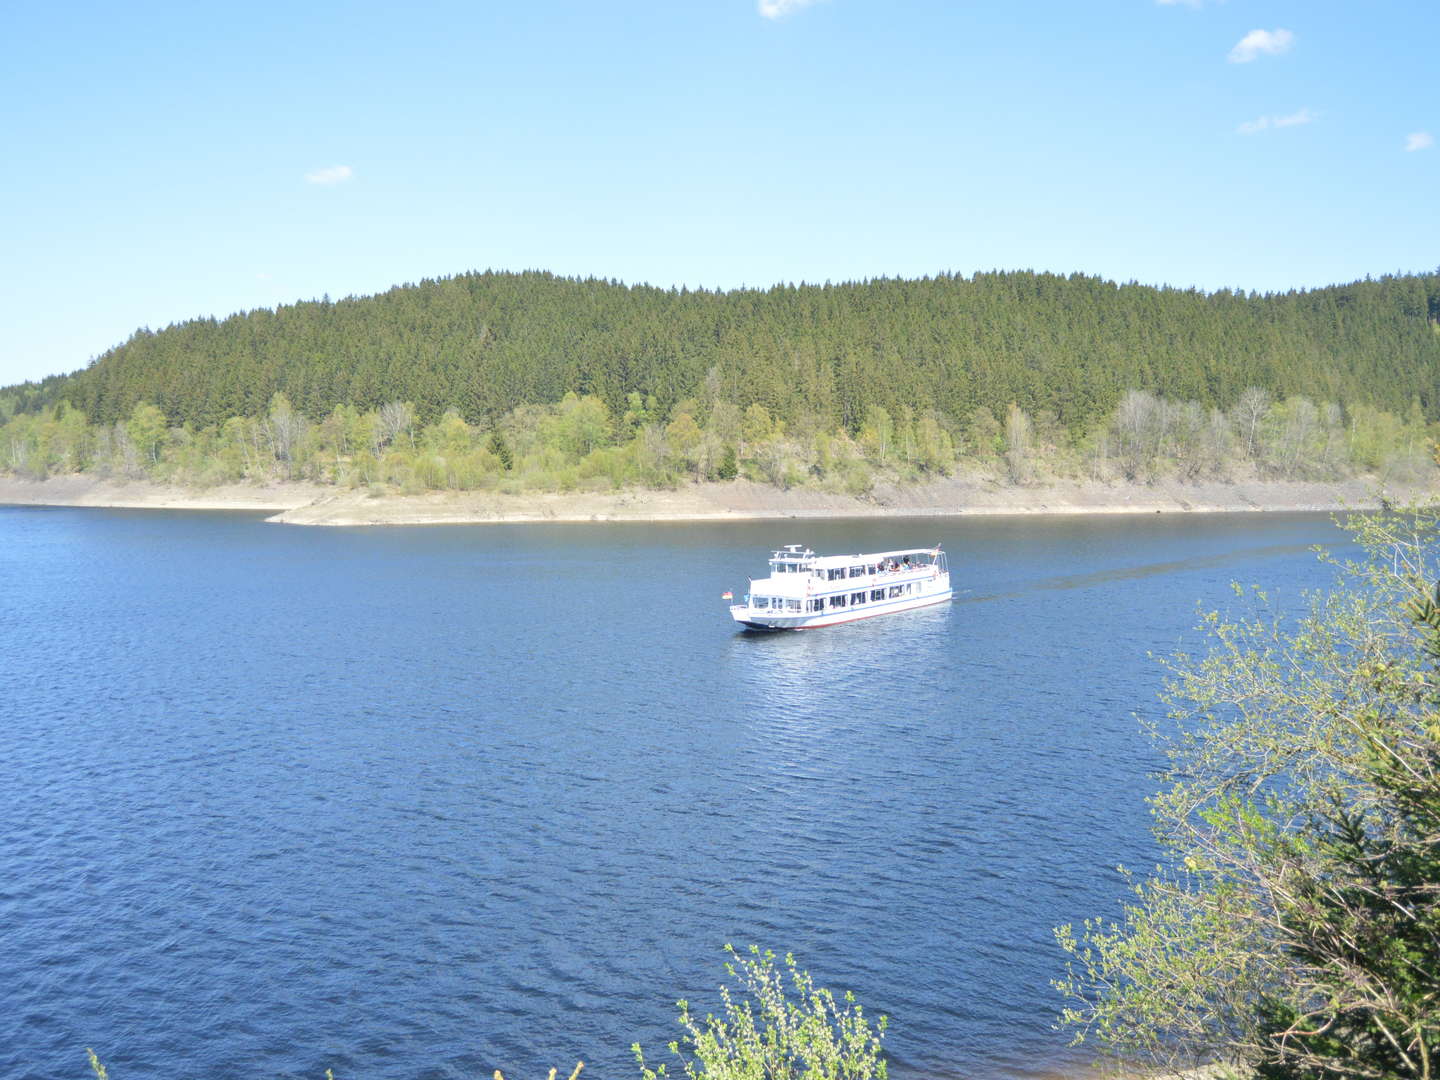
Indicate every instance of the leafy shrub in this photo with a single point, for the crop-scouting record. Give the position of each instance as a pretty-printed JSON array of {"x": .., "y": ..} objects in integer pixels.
[{"x": 794, "y": 1032}]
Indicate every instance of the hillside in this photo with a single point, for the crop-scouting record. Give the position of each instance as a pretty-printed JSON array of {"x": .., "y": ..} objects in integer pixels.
[{"x": 485, "y": 343}]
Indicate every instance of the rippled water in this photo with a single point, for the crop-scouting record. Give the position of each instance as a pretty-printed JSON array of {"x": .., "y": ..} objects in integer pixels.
[{"x": 428, "y": 802}]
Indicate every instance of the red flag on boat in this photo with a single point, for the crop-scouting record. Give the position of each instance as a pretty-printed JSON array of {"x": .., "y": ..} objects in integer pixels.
[{"x": 727, "y": 596}]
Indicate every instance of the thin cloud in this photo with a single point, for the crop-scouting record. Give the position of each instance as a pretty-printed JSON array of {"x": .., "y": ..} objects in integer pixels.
[
  {"x": 1261, "y": 43},
  {"x": 778, "y": 9},
  {"x": 1265, "y": 123},
  {"x": 335, "y": 174},
  {"x": 1418, "y": 140}
]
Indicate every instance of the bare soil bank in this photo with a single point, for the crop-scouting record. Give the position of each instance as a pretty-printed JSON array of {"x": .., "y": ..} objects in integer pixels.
[
  {"x": 738, "y": 500},
  {"x": 80, "y": 489}
]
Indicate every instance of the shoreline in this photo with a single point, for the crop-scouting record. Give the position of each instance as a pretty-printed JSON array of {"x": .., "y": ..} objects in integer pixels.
[{"x": 736, "y": 500}]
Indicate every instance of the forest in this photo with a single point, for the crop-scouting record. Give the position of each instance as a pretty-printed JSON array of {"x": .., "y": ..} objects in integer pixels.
[{"x": 528, "y": 380}]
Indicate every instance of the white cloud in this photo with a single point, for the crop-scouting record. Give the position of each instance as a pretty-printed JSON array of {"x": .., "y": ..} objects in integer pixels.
[
  {"x": 1261, "y": 43},
  {"x": 776, "y": 9},
  {"x": 1418, "y": 140},
  {"x": 1303, "y": 116},
  {"x": 335, "y": 174},
  {"x": 1265, "y": 123}
]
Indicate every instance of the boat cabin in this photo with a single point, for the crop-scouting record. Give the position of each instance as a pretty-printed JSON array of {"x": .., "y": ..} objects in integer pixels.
[
  {"x": 792, "y": 559},
  {"x": 805, "y": 589}
]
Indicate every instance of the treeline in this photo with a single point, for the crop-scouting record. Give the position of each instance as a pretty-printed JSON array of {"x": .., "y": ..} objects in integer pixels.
[
  {"x": 815, "y": 357},
  {"x": 579, "y": 444}
]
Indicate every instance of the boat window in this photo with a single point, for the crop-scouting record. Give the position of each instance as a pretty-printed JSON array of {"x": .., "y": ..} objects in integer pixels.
[
  {"x": 761, "y": 603},
  {"x": 836, "y": 573},
  {"x": 896, "y": 590},
  {"x": 792, "y": 605},
  {"x": 837, "y": 601},
  {"x": 817, "y": 605},
  {"x": 877, "y": 594},
  {"x": 857, "y": 598},
  {"x": 857, "y": 571}
]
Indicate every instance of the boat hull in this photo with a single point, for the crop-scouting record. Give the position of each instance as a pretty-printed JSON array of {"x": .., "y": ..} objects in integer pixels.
[{"x": 752, "y": 620}]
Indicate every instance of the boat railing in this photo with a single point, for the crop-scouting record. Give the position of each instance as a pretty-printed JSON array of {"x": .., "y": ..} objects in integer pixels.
[{"x": 915, "y": 568}]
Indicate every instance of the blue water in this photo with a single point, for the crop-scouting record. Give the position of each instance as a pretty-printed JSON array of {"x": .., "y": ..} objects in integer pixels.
[{"x": 413, "y": 803}]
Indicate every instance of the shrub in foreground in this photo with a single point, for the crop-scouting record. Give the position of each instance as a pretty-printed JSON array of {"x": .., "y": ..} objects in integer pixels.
[
  {"x": 1294, "y": 931},
  {"x": 790, "y": 1031}
]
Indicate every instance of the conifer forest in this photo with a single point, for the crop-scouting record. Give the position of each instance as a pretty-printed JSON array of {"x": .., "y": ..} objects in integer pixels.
[{"x": 511, "y": 381}]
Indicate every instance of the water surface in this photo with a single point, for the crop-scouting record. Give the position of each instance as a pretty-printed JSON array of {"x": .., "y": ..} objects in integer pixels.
[{"x": 417, "y": 803}]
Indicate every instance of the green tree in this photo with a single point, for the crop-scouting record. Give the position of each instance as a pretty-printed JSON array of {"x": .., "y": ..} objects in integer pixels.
[
  {"x": 684, "y": 436},
  {"x": 69, "y": 438},
  {"x": 935, "y": 451},
  {"x": 147, "y": 430},
  {"x": 236, "y": 446},
  {"x": 1294, "y": 928},
  {"x": 639, "y": 411},
  {"x": 1019, "y": 446},
  {"x": 984, "y": 433},
  {"x": 578, "y": 426},
  {"x": 501, "y": 450},
  {"x": 396, "y": 424},
  {"x": 286, "y": 431},
  {"x": 877, "y": 434},
  {"x": 724, "y": 422},
  {"x": 449, "y": 437},
  {"x": 757, "y": 425}
]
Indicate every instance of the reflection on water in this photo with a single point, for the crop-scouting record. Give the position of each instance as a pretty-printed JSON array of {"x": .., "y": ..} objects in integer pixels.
[
  {"x": 425, "y": 803},
  {"x": 811, "y": 674}
]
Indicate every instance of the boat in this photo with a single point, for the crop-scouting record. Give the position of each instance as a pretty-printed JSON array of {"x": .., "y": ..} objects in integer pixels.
[{"x": 805, "y": 591}]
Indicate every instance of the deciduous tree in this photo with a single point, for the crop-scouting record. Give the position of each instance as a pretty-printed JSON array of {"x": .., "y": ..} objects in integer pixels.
[{"x": 1293, "y": 929}]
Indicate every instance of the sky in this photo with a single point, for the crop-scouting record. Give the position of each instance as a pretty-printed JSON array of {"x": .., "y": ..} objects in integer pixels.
[{"x": 163, "y": 161}]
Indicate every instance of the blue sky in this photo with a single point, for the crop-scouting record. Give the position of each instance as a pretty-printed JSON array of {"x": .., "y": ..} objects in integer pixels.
[{"x": 164, "y": 160}]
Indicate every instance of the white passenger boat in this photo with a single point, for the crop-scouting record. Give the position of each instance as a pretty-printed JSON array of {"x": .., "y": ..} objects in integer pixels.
[{"x": 805, "y": 590}]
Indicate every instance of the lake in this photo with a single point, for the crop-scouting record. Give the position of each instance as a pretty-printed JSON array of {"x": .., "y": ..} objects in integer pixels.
[{"x": 428, "y": 802}]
